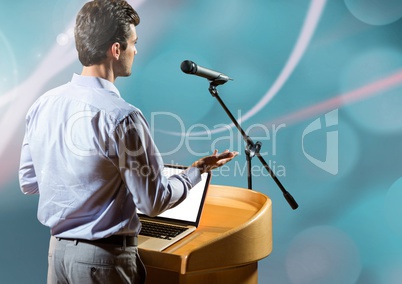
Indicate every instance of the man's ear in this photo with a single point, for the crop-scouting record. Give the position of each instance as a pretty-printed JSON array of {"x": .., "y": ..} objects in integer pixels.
[{"x": 116, "y": 50}]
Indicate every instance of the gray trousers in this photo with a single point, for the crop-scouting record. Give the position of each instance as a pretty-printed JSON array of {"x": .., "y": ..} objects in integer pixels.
[{"x": 72, "y": 262}]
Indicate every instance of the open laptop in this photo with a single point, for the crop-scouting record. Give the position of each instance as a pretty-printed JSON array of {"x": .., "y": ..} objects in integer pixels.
[{"x": 185, "y": 217}]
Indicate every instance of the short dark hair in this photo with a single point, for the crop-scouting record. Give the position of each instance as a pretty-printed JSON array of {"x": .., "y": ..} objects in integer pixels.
[{"x": 99, "y": 24}]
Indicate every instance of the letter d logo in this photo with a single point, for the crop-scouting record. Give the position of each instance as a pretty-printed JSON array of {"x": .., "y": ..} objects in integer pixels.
[{"x": 330, "y": 164}]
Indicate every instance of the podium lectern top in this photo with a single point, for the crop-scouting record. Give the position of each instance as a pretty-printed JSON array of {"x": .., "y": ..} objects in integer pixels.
[{"x": 235, "y": 229}]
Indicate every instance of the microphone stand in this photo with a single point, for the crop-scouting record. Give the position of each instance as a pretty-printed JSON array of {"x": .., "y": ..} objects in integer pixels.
[{"x": 252, "y": 149}]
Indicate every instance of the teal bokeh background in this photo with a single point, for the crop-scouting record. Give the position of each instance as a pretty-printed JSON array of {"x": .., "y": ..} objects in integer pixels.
[{"x": 347, "y": 228}]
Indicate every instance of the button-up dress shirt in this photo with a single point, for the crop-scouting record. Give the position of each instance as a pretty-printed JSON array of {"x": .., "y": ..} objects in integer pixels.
[{"x": 91, "y": 158}]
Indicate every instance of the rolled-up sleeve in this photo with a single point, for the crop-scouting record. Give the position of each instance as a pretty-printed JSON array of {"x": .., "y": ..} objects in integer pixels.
[{"x": 141, "y": 165}]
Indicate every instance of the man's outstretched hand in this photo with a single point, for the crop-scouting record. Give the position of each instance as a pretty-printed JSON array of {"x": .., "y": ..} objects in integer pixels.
[{"x": 208, "y": 163}]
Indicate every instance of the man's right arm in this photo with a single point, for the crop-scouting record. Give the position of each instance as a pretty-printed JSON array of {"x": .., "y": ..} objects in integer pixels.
[{"x": 140, "y": 165}]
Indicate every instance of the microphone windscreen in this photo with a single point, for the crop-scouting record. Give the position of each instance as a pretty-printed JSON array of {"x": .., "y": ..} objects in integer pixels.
[{"x": 188, "y": 67}]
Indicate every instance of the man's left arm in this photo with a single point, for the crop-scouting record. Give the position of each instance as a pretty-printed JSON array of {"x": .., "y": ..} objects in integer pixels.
[{"x": 27, "y": 175}]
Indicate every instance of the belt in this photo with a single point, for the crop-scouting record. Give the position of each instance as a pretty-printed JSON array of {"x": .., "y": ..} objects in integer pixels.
[{"x": 117, "y": 240}]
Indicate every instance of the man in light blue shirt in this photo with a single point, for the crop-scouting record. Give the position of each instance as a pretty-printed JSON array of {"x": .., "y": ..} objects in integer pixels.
[{"x": 90, "y": 157}]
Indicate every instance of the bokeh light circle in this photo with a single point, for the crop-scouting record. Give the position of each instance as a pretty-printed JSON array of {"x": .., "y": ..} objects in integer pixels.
[
  {"x": 322, "y": 254},
  {"x": 378, "y": 112},
  {"x": 62, "y": 39},
  {"x": 392, "y": 273},
  {"x": 393, "y": 208},
  {"x": 375, "y": 12}
]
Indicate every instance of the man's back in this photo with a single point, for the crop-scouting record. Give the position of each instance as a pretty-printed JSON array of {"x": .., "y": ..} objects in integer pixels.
[{"x": 70, "y": 131}]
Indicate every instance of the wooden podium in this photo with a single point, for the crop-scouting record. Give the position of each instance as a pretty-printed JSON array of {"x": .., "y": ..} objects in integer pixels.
[{"x": 234, "y": 233}]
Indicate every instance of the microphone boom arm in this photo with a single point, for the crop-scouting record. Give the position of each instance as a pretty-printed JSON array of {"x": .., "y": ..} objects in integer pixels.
[{"x": 252, "y": 149}]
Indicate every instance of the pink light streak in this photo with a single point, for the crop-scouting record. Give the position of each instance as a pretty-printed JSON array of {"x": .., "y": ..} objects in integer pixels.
[
  {"x": 310, "y": 24},
  {"x": 338, "y": 101}
]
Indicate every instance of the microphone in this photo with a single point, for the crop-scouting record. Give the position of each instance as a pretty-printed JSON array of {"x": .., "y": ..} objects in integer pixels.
[{"x": 217, "y": 78}]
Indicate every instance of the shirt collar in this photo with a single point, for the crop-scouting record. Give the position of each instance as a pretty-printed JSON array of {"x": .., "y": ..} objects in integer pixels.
[{"x": 94, "y": 82}]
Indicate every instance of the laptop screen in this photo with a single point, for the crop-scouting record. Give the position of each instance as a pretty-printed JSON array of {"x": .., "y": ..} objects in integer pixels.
[{"x": 188, "y": 211}]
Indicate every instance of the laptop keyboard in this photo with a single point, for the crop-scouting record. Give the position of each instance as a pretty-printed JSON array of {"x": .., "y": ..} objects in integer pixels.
[{"x": 161, "y": 231}]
